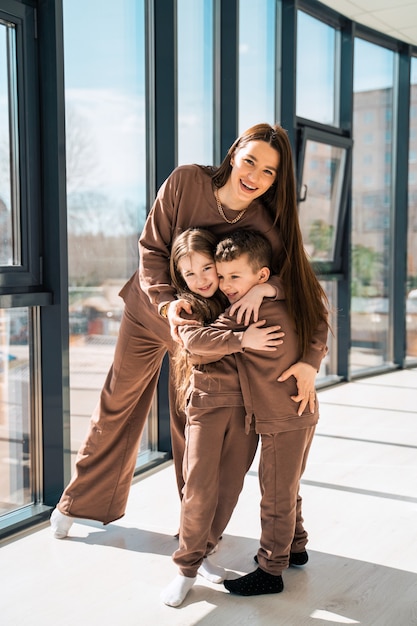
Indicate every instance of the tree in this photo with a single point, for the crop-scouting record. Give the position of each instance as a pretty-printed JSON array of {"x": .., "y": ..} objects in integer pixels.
[
  {"x": 366, "y": 268},
  {"x": 321, "y": 236}
]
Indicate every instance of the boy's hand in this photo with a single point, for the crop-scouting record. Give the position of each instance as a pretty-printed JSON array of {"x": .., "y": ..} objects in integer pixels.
[
  {"x": 249, "y": 304},
  {"x": 305, "y": 375},
  {"x": 258, "y": 338},
  {"x": 174, "y": 317}
]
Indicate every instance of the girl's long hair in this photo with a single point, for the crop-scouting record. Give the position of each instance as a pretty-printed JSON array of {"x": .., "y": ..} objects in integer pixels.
[
  {"x": 205, "y": 310},
  {"x": 305, "y": 297}
]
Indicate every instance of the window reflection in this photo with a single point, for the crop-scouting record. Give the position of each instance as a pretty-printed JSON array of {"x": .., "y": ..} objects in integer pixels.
[
  {"x": 317, "y": 74},
  {"x": 371, "y": 206},
  {"x": 106, "y": 184},
  {"x": 15, "y": 410}
]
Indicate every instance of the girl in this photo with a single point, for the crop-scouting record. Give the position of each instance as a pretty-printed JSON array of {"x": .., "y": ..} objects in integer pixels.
[{"x": 218, "y": 452}]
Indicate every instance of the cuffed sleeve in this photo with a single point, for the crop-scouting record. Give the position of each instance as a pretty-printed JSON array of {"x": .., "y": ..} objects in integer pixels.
[{"x": 209, "y": 344}]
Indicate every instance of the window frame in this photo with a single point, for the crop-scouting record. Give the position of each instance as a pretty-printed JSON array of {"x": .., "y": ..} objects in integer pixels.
[
  {"x": 305, "y": 134},
  {"x": 15, "y": 279}
]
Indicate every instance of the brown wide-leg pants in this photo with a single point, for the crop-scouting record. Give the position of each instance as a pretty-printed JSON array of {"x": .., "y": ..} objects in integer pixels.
[
  {"x": 282, "y": 463},
  {"x": 106, "y": 461},
  {"x": 218, "y": 455}
]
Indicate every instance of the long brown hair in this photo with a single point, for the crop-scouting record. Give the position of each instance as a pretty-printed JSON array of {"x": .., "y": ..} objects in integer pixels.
[
  {"x": 205, "y": 310},
  {"x": 306, "y": 299}
]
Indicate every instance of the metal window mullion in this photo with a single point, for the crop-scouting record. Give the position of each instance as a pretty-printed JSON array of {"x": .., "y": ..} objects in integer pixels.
[
  {"x": 226, "y": 64},
  {"x": 36, "y": 439},
  {"x": 399, "y": 214}
]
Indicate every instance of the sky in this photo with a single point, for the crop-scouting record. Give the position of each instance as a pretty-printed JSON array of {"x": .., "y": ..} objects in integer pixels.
[
  {"x": 105, "y": 80},
  {"x": 104, "y": 85}
]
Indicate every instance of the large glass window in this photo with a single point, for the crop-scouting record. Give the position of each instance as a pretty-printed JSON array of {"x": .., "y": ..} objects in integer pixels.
[
  {"x": 19, "y": 150},
  {"x": 257, "y": 71},
  {"x": 411, "y": 303},
  {"x": 317, "y": 70},
  {"x": 195, "y": 81},
  {"x": 323, "y": 165},
  {"x": 371, "y": 206},
  {"x": 16, "y": 440},
  {"x": 106, "y": 183},
  {"x": 21, "y": 482}
]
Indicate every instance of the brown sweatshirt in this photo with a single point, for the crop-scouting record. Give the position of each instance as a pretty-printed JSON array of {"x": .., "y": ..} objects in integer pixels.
[
  {"x": 268, "y": 400},
  {"x": 185, "y": 200}
]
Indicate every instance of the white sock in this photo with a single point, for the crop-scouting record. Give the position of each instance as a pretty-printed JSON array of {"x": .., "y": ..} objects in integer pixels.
[
  {"x": 210, "y": 571},
  {"x": 60, "y": 524},
  {"x": 175, "y": 593}
]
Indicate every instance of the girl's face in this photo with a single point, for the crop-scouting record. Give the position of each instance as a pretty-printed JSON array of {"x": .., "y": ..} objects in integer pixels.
[
  {"x": 254, "y": 170},
  {"x": 199, "y": 273}
]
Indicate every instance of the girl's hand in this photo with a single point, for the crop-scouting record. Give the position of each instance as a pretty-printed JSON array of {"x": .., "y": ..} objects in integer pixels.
[
  {"x": 174, "y": 317},
  {"x": 305, "y": 375},
  {"x": 248, "y": 306},
  {"x": 258, "y": 338}
]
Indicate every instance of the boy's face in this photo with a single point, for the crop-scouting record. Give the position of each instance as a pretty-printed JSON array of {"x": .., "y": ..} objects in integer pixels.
[
  {"x": 199, "y": 273},
  {"x": 237, "y": 277}
]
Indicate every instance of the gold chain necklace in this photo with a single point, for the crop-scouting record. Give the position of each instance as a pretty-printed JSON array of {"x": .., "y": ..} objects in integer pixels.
[{"x": 220, "y": 210}]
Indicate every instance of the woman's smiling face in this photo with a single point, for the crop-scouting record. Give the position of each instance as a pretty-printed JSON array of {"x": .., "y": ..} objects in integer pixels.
[
  {"x": 254, "y": 170},
  {"x": 199, "y": 273}
]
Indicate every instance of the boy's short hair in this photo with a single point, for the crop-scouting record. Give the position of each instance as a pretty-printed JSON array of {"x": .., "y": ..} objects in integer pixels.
[{"x": 249, "y": 242}]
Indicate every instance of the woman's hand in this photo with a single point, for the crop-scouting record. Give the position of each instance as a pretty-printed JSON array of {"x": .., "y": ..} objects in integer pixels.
[
  {"x": 249, "y": 305},
  {"x": 174, "y": 317},
  {"x": 305, "y": 376},
  {"x": 262, "y": 338}
]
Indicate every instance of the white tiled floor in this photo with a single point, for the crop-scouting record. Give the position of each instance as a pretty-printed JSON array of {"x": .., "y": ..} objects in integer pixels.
[{"x": 360, "y": 507}]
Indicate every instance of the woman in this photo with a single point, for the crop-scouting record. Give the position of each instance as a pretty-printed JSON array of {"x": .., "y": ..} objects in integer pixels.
[{"x": 254, "y": 187}]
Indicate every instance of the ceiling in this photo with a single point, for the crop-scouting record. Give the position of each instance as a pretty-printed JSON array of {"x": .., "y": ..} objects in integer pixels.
[{"x": 397, "y": 18}]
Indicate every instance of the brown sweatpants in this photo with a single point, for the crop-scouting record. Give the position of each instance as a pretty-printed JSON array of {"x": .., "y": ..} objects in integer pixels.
[
  {"x": 282, "y": 463},
  {"x": 106, "y": 461},
  {"x": 218, "y": 455}
]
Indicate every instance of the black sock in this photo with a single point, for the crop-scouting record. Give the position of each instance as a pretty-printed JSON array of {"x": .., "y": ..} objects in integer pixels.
[
  {"x": 255, "y": 584},
  {"x": 296, "y": 558}
]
